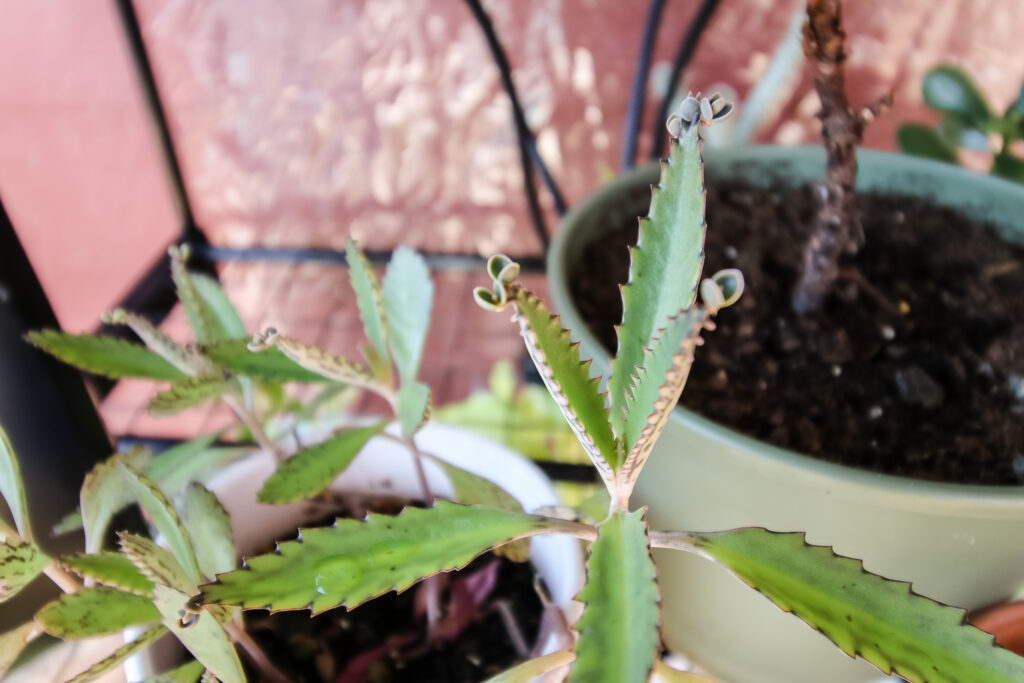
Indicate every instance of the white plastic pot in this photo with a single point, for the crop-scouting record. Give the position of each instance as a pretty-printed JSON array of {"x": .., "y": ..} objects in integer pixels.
[{"x": 385, "y": 467}]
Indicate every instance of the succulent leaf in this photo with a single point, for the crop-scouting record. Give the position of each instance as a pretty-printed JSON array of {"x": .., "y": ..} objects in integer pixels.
[
  {"x": 618, "y": 632},
  {"x": 114, "y": 358},
  {"x": 923, "y": 141},
  {"x": 533, "y": 669},
  {"x": 13, "y": 642},
  {"x": 103, "y": 494},
  {"x": 189, "y": 393},
  {"x": 209, "y": 529},
  {"x": 316, "y": 360},
  {"x": 189, "y": 672},
  {"x": 20, "y": 563},
  {"x": 408, "y": 295},
  {"x": 155, "y": 563},
  {"x": 224, "y": 321},
  {"x": 235, "y": 356},
  {"x": 369, "y": 299},
  {"x": 179, "y": 464},
  {"x": 204, "y": 637},
  {"x": 413, "y": 407},
  {"x": 184, "y": 360},
  {"x": 866, "y": 615},
  {"x": 351, "y": 562},
  {"x": 110, "y": 569},
  {"x": 107, "y": 664},
  {"x": 312, "y": 469},
  {"x": 472, "y": 489},
  {"x": 950, "y": 90},
  {"x": 200, "y": 317},
  {"x": 96, "y": 611},
  {"x": 12, "y": 488}
]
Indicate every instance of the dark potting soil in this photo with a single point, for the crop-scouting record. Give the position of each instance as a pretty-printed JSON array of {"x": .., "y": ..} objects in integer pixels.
[
  {"x": 914, "y": 366},
  {"x": 385, "y": 640}
]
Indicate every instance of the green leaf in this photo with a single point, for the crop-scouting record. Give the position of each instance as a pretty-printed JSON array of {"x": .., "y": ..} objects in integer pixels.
[
  {"x": 413, "y": 407},
  {"x": 189, "y": 393},
  {"x": 176, "y": 466},
  {"x": 96, "y": 611},
  {"x": 103, "y": 494},
  {"x": 205, "y": 638},
  {"x": 190, "y": 672},
  {"x": 156, "y": 339},
  {"x": 865, "y": 614},
  {"x": 950, "y": 90},
  {"x": 472, "y": 489},
  {"x": 408, "y": 295},
  {"x": 922, "y": 141},
  {"x": 312, "y": 469},
  {"x": 353, "y": 561},
  {"x": 532, "y": 669},
  {"x": 665, "y": 264},
  {"x": 155, "y": 563},
  {"x": 114, "y": 358},
  {"x": 369, "y": 299},
  {"x": 267, "y": 364},
  {"x": 959, "y": 133},
  {"x": 12, "y": 488},
  {"x": 1009, "y": 167},
  {"x": 618, "y": 631},
  {"x": 13, "y": 642},
  {"x": 68, "y": 523},
  {"x": 209, "y": 528},
  {"x": 20, "y": 563},
  {"x": 568, "y": 379},
  {"x": 225, "y": 323},
  {"x": 110, "y": 569},
  {"x": 314, "y": 359},
  {"x": 122, "y": 653},
  {"x": 200, "y": 317}
]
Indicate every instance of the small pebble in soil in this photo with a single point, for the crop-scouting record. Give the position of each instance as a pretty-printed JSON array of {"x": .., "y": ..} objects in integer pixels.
[
  {"x": 888, "y": 333},
  {"x": 875, "y": 412},
  {"x": 836, "y": 370},
  {"x": 918, "y": 388}
]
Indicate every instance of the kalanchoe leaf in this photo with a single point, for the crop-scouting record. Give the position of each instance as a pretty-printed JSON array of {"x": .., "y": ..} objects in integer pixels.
[
  {"x": 472, "y": 489},
  {"x": 533, "y": 669},
  {"x": 866, "y": 615},
  {"x": 369, "y": 299},
  {"x": 155, "y": 563},
  {"x": 502, "y": 269},
  {"x": 203, "y": 636},
  {"x": 114, "y": 358},
  {"x": 12, "y": 488},
  {"x": 189, "y": 672},
  {"x": 413, "y": 407},
  {"x": 618, "y": 631},
  {"x": 189, "y": 393},
  {"x": 922, "y": 141},
  {"x": 316, "y": 360},
  {"x": 268, "y": 363},
  {"x": 408, "y": 295},
  {"x": 97, "y": 611},
  {"x": 184, "y": 360},
  {"x": 951, "y": 91},
  {"x": 107, "y": 664},
  {"x": 13, "y": 642},
  {"x": 312, "y": 469},
  {"x": 209, "y": 529},
  {"x": 176, "y": 466},
  {"x": 20, "y": 563},
  {"x": 103, "y": 494},
  {"x": 353, "y": 561},
  {"x": 200, "y": 316},
  {"x": 223, "y": 316},
  {"x": 110, "y": 569}
]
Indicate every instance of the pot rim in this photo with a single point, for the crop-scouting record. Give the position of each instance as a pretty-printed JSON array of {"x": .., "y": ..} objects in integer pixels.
[{"x": 972, "y": 495}]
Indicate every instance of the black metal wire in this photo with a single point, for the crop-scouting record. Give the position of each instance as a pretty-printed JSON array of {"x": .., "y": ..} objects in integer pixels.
[
  {"x": 635, "y": 109},
  {"x": 528, "y": 155},
  {"x": 686, "y": 49}
]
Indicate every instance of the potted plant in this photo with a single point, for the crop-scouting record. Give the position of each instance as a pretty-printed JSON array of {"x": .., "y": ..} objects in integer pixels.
[{"x": 956, "y": 542}]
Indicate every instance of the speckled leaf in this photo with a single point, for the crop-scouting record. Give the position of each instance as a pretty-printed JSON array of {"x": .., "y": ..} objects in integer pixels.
[
  {"x": 12, "y": 488},
  {"x": 103, "y": 494},
  {"x": 413, "y": 407},
  {"x": 189, "y": 393},
  {"x": 155, "y": 563},
  {"x": 618, "y": 632},
  {"x": 408, "y": 295},
  {"x": 209, "y": 529},
  {"x": 665, "y": 264},
  {"x": 110, "y": 569},
  {"x": 114, "y": 358},
  {"x": 880, "y": 620},
  {"x": 184, "y": 360},
  {"x": 20, "y": 563},
  {"x": 190, "y": 672},
  {"x": 224, "y": 321},
  {"x": 472, "y": 489},
  {"x": 267, "y": 364},
  {"x": 205, "y": 638},
  {"x": 96, "y": 611},
  {"x": 13, "y": 642},
  {"x": 532, "y": 669},
  {"x": 176, "y": 466},
  {"x": 312, "y": 469},
  {"x": 353, "y": 561},
  {"x": 368, "y": 298},
  {"x": 200, "y": 317},
  {"x": 567, "y": 378},
  {"x": 145, "y": 639},
  {"x": 326, "y": 365}
]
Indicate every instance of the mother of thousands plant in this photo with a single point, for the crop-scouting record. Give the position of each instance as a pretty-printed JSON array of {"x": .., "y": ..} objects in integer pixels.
[{"x": 353, "y": 561}]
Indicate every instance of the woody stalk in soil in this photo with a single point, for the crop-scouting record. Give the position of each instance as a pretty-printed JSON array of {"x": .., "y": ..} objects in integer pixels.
[{"x": 837, "y": 227}]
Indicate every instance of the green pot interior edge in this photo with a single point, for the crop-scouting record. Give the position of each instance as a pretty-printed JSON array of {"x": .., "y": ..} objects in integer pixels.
[{"x": 981, "y": 197}]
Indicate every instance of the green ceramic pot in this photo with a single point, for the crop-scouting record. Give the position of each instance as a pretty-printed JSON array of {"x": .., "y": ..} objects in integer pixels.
[{"x": 963, "y": 545}]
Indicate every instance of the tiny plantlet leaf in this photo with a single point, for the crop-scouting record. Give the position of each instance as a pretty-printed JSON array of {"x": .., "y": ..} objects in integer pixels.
[
  {"x": 502, "y": 269},
  {"x": 13, "y": 642},
  {"x": 209, "y": 529},
  {"x": 413, "y": 407},
  {"x": 20, "y": 563},
  {"x": 490, "y": 300},
  {"x": 866, "y": 615},
  {"x": 351, "y": 562},
  {"x": 312, "y": 469},
  {"x": 110, "y": 569},
  {"x": 368, "y": 298},
  {"x": 189, "y": 393},
  {"x": 316, "y": 360},
  {"x": 97, "y": 611},
  {"x": 12, "y": 488},
  {"x": 408, "y": 295},
  {"x": 106, "y": 356},
  {"x": 268, "y": 363},
  {"x": 107, "y": 664},
  {"x": 618, "y": 632}
]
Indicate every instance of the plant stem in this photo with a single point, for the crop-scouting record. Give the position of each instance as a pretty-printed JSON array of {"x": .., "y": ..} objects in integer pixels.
[
  {"x": 836, "y": 227},
  {"x": 254, "y": 427},
  {"x": 61, "y": 578},
  {"x": 268, "y": 672}
]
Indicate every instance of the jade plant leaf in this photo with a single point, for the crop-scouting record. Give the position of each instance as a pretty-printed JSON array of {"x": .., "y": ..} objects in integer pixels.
[
  {"x": 20, "y": 563},
  {"x": 12, "y": 488},
  {"x": 532, "y": 669},
  {"x": 369, "y": 299},
  {"x": 567, "y": 379},
  {"x": 351, "y": 562},
  {"x": 923, "y": 141},
  {"x": 268, "y": 364},
  {"x": 157, "y": 340},
  {"x": 96, "y": 611},
  {"x": 1009, "y": 167},
  {"x": 316, "y": 360},
  {"x": 14, "y": 641},
  {"x": 666, "y": 262},
  {"x": 866, "y": 615},
  {"x": 110, "y": 569},
  {"x": 107, "y": 356},
  {"x": 189, "y": 672},
  {"x": 948, "y": 89},
  {"x": 408, "y": 294},
  {"x": 209, "y": 529},
  {"x": 144, "y": 640},
  {"x": 413, "y": 407},
  {"x": 618, "y": 632},
  {"x": 312, "y": 469},
  {"x": 189, "y": 393},
  {"x": 225, "y": 323}
]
